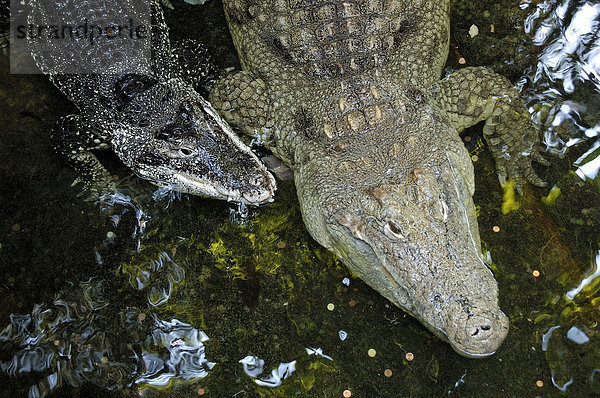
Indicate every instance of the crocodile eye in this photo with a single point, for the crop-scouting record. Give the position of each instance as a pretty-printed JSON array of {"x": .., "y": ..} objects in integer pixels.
[
  {"x": 130, "y": 85},
  {"x": 392, "y": 230},
  {"x": 186, "y": 152},
  {"x": 152, "y": 158}
]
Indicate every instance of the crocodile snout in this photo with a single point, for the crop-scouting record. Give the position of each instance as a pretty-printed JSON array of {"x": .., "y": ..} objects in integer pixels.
[{"x": 481, "y": 335}]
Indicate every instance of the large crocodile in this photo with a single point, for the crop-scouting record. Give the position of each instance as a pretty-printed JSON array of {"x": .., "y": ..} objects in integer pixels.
[
  {"x": 348, "y": 94},
  {"x": 155, "y": 121}
]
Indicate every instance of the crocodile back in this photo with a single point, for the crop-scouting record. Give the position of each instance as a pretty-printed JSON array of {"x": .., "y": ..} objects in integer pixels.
[
  {"x": 343, "y": 38},
  {"x": 96, "y": 89}
]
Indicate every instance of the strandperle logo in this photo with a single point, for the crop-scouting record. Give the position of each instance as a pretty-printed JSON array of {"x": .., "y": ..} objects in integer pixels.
[
  {"x": 87, "y": 31},
  {"x": 81, "y": 37}
]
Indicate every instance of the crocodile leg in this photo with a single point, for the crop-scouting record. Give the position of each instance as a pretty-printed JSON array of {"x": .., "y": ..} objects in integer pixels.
[
  {"x": 474, "y": 94},
  {"x": 243, "y": 100},
  {"x": 73, "y": 138}
]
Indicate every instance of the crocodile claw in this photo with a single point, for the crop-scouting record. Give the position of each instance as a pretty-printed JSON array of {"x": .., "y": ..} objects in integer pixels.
[
  {"x": 516, "y": 169},
  {"x": 540, "y": 159},
  {"x": 92, "y": 189}
]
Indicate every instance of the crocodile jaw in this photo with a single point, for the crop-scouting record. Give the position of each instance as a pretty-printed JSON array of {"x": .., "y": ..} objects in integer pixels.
[{"x": 192, "y": 185}]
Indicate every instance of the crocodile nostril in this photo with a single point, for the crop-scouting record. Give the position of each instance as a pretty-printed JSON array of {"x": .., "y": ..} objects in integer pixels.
[
  {"x": 485, "y": 328},
  {"x": 479, "y": 328}
]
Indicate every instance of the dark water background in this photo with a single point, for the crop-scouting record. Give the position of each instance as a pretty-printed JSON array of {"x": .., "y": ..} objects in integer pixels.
[{"x": 113, "y": 299}]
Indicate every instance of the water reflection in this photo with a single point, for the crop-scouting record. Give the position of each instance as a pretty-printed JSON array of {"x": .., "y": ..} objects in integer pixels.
[
  {"x": 571, "y": 345},
  {"x": 318, "y": 352},
  {"x": 590, "y": 283},
  {"x": 562, "y": 388},
  {"x": 77, "y": 340},
  {"x": 569, "y": 35},
  {"x": 589, "y": 163},
  {"x": 568, "y": 69},
  {"x": 67, "y": 341},
  {"x": 117, "y": 204},
  {"x": 254, "y": 367},
  {"x": 186, "y": 358},
  {"x": 577, "y": 335},
  {"x": 163, "y": 272}
]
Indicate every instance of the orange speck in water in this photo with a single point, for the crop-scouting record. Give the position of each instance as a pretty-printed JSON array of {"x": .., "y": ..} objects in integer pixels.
[
  {"x": 467, "y": 138},
  {"x": 352, "y": 303},
  {"x": 115, "y": 177},
  {"x": 201, "y": 391},
  {"x": 16, "y": 227},
  {"x": 536, "y": 273},
  {"x": 409, "y": 356},
  {"x": 539, "y": 383},
  {"x": 462, "y": 61},
  {"x": 387, "y": 373},
  {"x": 347, "y": 394},
  {"x": 496, "y": 228}
]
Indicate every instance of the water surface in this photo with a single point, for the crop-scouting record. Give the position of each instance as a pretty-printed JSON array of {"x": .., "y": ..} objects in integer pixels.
[{"x": 154, "y": 294}]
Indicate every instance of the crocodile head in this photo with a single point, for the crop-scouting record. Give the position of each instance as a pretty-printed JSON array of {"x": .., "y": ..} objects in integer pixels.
[
  {"x": 174, "y": 138},
  {"x": 408, "y": 228}
]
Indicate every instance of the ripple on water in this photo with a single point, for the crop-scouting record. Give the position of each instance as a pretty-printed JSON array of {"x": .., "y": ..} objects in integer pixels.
[
  {"x": 566, "y": 80},
  {"x": 74, "y": 341}
]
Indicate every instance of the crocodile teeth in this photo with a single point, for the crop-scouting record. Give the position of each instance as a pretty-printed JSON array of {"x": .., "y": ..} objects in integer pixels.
[
  {"x": 342, "y": 104},
  {"x": 328, "y": 131},
  {"x": 253, "y": 198}
]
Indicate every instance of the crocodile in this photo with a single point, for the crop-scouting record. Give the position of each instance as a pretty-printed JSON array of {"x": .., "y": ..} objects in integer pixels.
[
  {"x": 155, "y": 119},
  {"x": 350, "y": 95}
]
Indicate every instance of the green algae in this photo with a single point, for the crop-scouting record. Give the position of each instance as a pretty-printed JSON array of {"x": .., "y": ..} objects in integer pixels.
[
  {"x": 552, "y": 196},
  {"x": 265, "y": 245},
  {"x": 509, "y": 198}
]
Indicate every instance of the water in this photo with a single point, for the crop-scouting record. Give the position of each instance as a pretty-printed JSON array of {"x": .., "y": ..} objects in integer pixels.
[{"x": 154, "y": 295}]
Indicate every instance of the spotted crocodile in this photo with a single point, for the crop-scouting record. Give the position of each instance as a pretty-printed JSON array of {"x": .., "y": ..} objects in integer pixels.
[
  {"x": 154, "y": 120},
  {"x": 349, "y": 94}
]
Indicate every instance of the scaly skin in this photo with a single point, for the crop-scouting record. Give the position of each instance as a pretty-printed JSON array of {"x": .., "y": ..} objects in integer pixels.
[
  {"x": 155, "y": 121},
  {"x": 348, "y": 94}
]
